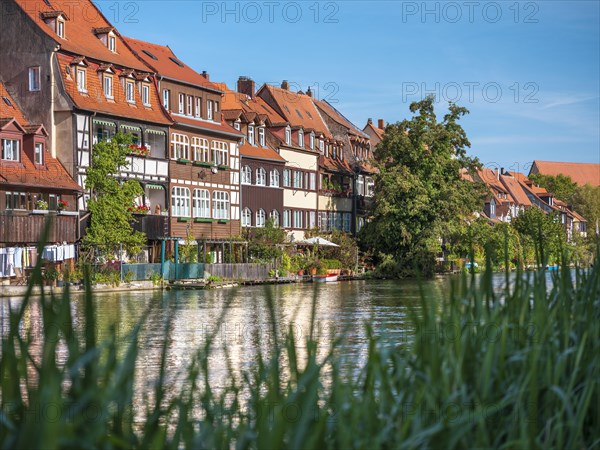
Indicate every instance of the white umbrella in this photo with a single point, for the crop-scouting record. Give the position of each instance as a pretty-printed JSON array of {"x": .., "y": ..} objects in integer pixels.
[{"x": 318, "y": 241}]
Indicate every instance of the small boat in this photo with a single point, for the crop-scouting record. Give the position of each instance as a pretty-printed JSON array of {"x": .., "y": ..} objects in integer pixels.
[{"x": 328, "y": 278}]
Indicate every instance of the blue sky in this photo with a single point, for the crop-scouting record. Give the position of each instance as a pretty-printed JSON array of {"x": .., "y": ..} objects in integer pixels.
[{"x": 529, "y": 72}]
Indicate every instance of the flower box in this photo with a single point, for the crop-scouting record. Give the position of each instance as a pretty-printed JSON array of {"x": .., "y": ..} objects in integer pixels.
[
  {"x": 139, "y": 209},
  {"x": 139, "y": 150},
  {"x": 203, "y": 164},
  {"x": 223, "y": 167},
  {"x": 223, "y": 221},
  {"x": 203, "y": 220},
  {"x": 184, "y": 219},
  {"x": 68, "y": 213},
  {"x": 39, "y": 211},
  {"x": 183, "y": 161}
]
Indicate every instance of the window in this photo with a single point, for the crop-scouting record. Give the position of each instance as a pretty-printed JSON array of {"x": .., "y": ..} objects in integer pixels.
[
  {"x": 201, "y": 203},
  {"x": 360, "y": 185},
  {"x": 129, "y": 91},
  {"x": 81, "y": 83},
  {"x": 288, "y": 136},
  {"x": 181, "y": 103},
  {"x": 246, "y": 217},
  {"x": 312, "y": 141},
  {"x": 322, "y": 145},
  {"x": 274, "y": 178},
  {"x": 112, "y": 43},
  {"x": 251, "y": 134},
  {"x": 209, "y": 109},
  {"x": 108, "y": 86},
  {"x": 261, "y": 136},
  {"x": 16, "y": 200},
  {"x": 286, "y": 177},
  {"x": 312, "y": 220},
  {"x": 313, "y": 181},
  {"x": 200, "y": 149},
  {"x": 146, "y": 94},
  {"x": 287, "y": 218},
  {"x": 260, "y": 218},
  {"x": 301, "y": 138},
  {"x": 236, "y": 125},
  {"x": 180, "y": 199},
  {"x": 346, "y": 222},
  {"x": 246, "y": 175},
  {"x": 370, "y": 187},
  {"x": 180, "y": 146},
  {"x": 34, "y": 79},
  {"x": 220, "y": 205},
  {"x": 39, "y": 153},
  {"x": 220, "y": 153},
  {"x": 10, "y": 149},
  {"x": 190, "y": 105},
  {"x": 60, "y": 28},
  {"x": 198, "y": 106},
  {"x": 275, "y": 217},
  {"x": 166, "y": 99},
  {"x": 261, "y": 177},
  {"x": 297, "y": 179},
  {"x": 298, "y": 219}
]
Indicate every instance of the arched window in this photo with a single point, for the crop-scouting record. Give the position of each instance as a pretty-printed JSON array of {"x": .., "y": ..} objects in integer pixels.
[
  {"x": 220, "y": 205},
  {"x": 261, "y": 177},
  {"x": 201, "y": 203},
  {"x": 180, "y": 201},
  {"x": 260, "y": 218},
  {"x": 274, "y": 178},
  {"x": 275, "y": 217},
  {"x": 246, "y": 217},
  {"x": 246, "y": 175}
]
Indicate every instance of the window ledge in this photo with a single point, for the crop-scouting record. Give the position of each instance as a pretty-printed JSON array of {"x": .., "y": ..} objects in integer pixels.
[
  {"x": 183, "y": 161},
  {"x": 184, "y": 219},
  {"x": 203, "y": 220},
  {"x": 203, "y": 164},
  {"x": 40, "y": 211},
  {"x": 223, "y": 220},
  {"x": 223, "y": 167}
]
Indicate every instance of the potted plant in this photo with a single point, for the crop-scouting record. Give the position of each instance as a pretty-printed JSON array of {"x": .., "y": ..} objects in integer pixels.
[
  {"x": 41, "y": 205},
  {"x": 50, "y": 275},
  {"x": 62, "y": 205},
  {"x": 139, "y": 209}
]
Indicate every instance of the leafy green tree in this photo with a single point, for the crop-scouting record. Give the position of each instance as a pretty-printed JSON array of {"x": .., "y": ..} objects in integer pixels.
[
  {"x": 420, "y": 195},
  {"x": 586, "y": 201},
  {"x": 544, "y": 232},
  {"x": 265, "y": 242},
  {"x": 111, "y": 198},
  {"x": 561, "y": 186}
]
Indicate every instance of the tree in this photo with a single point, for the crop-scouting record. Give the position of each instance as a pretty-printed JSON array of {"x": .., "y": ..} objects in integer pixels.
[
  {"x": 111, "y": 198},
  {"x": 265, "y": 243},
  {"x": 586, "y": 201},
  {"x": 420, "y": 195},
  {"x": 542, "y": 231},
  {"x": 561, "y": 186}
]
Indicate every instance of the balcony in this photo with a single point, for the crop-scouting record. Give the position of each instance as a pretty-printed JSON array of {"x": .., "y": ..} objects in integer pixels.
[
  {"x": 20, "y": 226},
  {"x": 153, "y": 226}
]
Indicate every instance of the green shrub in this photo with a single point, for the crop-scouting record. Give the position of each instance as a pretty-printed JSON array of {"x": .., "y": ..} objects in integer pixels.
[{"x": 214, "y": 279}]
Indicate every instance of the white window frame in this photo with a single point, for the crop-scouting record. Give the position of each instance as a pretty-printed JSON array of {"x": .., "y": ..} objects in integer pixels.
[
  {"x": 180, "y": 201},
  {"x": 200, "y": 149},
  {"x": 287, "y": 218},
  {"x": 130, "y": 91},
  {"x": 274, "y": 178},
  {"x": 246, "y": 217},
  {"x": 38, "y": 153},
  {"x": 180, "y": 146},
  {"x": 246, "y": 175},
  {"x": 261, "y": 218},
  {"x": 166, "y": 99},
  {"x": 190, "y": 105},
  {"x": 181, "y": 103},
  {"x": 146, "y": 94},
  {"x": 60, "y": 27},
  {"x": 236, "y": 125},
  {"x": 297, "y": 179},
  {"x": 312, "y": 140},
  {"x": 198, "y": 111},
  {"x": 112, "y": 43},
  {"x": 201, "y": 203},
  {"x": 220, "y": 153},
  {"x": 261, "y": 177},
  {"x": 298, "y": 219},
  {"x": 276, "y": 218},
  {"x": 287, "y": 178},
  {"x": 313, "y": 181},
  {"x": 221, "y": 205},
  {"x": 11, "y": 150},
  {"x": 301, "y": 138},
  {"x": 108, "y": 86},
  {"x": 288, "y": 136},
  {"x": 209, "y": 109},
  {"x": 81, "y": 80},
  {"x": 322, "y": 146},
  {"x": 261, "y": 136},
  {"x": 35, "y": 81},
  {"x": 251, "y": 134},
  {"x": 312, "y": 219}
]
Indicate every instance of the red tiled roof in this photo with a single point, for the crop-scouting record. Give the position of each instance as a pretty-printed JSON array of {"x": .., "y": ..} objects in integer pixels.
[
  {"x": 515, "y": 190},
  {"x": 378, "y": 131},
  {"x": 529, "y": 184},
  {"x": 80, "y": 39},
  {"x": 260, "y": 153},
  {"x": 580, "y": 173},
  {"x": 338, "y": 117},
  {"x": 334, "y": 165},
  {"x": 298, "y": 109},
  {"x": 165, "y": 64},
  {"x": 13, "y": 111},
  {"x": 222, "y": 127},
  {"x": 95, "y": 100},
  {"x": 235, "y": 101}
]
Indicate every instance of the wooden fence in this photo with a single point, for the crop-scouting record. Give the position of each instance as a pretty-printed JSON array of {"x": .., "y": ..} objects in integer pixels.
[{"x": 239, "y": 271}]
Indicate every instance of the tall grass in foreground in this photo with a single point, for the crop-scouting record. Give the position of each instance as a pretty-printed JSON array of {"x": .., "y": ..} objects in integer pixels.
[{"x": 513, "y": 370}]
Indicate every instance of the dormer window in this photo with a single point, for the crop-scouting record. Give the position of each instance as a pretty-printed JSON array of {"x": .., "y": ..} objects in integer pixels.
[
  {"x": 10, "y": 149},
  {"x": 288, "y": 136},
  {"x": 81, "y": 80},
  {"x": 60, "y": 27},
  {"x": 166, "y": 99},
  {"x": 39, "y": 153},
  {"x": 146, "y": 94},
  {"x": 251, "y": 134},
  {"x": 112, "y": 43},
  {"x": 130, "y": 91},
  {"x": 56, "y": 21},
  {"x": 236, "y": 125},
  {"x": 312, "y": 141},
  {"x": 301, "y": 138},
  {"x": 322, "y": 145},
  {"x": 261, "y": 136},
  {"x": 108, "y": 86}
]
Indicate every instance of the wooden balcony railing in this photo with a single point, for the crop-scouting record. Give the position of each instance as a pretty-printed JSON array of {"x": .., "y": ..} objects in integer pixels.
[
  {"x": 153, "y": 226},
  {"x": 25, "y": 227}
]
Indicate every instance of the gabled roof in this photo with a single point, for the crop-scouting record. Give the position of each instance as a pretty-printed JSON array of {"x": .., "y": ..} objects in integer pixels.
[
  {"x": 515, "y": 190},
  {"x": 237, "y": 103},
  {"x": 580, "y": 173},
  {"x": 80, "y": 39},
  {"x": 165, "y": 63},
  {"x": 96, "y": 101},
  {"x": 10, "y": 110},
  {"x": 205, "y": 125},
  {"x": 338, "y": 117},
  {"x": 250, "y": 151},
  {"x": 378, "y": 131},
  {"x": 297, "y": 109}
]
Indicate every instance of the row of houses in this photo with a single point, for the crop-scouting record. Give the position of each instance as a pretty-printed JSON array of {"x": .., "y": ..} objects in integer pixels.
[
  {"x": 211, "y": 160},
  {"x": 511, "y": 193}
]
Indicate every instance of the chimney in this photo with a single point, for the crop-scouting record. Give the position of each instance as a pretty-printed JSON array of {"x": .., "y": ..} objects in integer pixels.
[
  {"x": 502, "y": 172},
  {"x": 309, "y": 92},
  {"x": 381, "y": 124},
  {"x": 285, "y": 85},
  {"x": 245, "y": 85},
  {"x": 206, "y": 75},
  {"x": 369, "y": 121}
]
